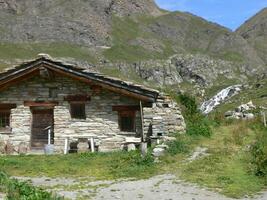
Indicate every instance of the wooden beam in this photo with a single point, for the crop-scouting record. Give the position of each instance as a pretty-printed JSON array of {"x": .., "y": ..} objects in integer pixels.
[
  {"x": 103, "y": 85},
  {"x": 125, "y": 108},
  {"x": 78, "y": 98},
  {"x": 8, "y": 106},
  {"x": 41, "y": 104},
  {"x": 14, "y": 80}
]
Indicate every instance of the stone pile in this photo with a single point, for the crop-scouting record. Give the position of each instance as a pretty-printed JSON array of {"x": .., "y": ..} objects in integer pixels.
[
  {"x": 244, "y": 111},
  {"x": 7, "y": 148}
]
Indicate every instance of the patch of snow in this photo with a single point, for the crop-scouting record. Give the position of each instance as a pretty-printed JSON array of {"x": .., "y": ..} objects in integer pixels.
[{"x": 219, "y": 98}]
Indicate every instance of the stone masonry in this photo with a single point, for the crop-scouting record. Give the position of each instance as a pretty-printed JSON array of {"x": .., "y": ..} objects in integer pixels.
[{"x": 101, "y": 122}]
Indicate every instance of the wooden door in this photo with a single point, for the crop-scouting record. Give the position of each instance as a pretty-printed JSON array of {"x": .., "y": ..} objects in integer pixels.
[{"x": 41, "y": 119}]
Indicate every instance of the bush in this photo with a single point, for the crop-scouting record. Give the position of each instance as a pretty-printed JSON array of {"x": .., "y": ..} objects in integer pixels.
[
  {"x": 200, "y": 127},
  {"x": 189, "y": 103},
  {"x": 197, "y": 123},
  {"x": 259, "y": 154},
  {"x": 178, "y": 146},
  {"x": 22, "y": 190}
]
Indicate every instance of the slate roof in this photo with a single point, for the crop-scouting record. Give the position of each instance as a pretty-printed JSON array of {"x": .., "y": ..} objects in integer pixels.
[{"x": 114, "y": 84}]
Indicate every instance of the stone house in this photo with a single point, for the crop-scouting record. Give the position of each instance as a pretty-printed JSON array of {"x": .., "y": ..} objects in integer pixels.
[{"x": 76, "y": 104}]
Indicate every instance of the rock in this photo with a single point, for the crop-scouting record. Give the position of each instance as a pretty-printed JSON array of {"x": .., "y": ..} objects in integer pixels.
[
  {"x": 241, "y": 112},
  {"x": 168, "y": 139},
  {"x": 199, "y": 153},
  {"x": 249, "y": 116},
  {"x": 2, "y": 147},
  {"x": 83, "y": 145},
  {"x": 9, "y": 148},
  {"x": 157, "y": 152},
  {"x": 229, "y": 113},
  {"x": 23, "y": 148},
  {"x": 131, "y": 147}
]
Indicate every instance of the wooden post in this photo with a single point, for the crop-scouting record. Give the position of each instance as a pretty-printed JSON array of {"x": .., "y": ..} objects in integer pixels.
[
  {"x": 66, "y": 146},
  {"x": 49, "y": 136},
  {"x": 264, "y": 118},
  {"x": 144, "y": 148},
  {"x": 92, "y": 145},
  {"x": 143, "y": 140},
  {"x": 142, "y": 122}
]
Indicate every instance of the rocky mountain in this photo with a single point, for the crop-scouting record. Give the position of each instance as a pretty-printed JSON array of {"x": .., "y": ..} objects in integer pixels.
[
  {"x": 134, "y": 39},
  {"x": 75, "y": 21},
  {"x": 255, "y": 32}
]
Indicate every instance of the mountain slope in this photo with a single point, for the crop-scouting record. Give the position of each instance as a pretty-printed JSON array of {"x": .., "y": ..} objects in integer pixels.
[
  {"x": 78, "y": 22},
  {"x": 255, "y": 32},
  {"x": 133, "y": 39}
]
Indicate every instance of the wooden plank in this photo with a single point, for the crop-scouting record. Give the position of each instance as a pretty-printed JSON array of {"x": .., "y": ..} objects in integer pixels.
[
  {"x": 125, "y": 108},
  {"x": 40, "y": 104},
  {"x": 106, "y": 86},
  {"x": 18, "y": 78},
  {"x": 78, "y": 98},
  {"x": 142, "y": 122},
  {"x": 7, "y": 106}
]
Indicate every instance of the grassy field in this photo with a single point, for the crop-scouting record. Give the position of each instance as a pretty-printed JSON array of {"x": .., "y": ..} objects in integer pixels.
[
  {"x": 227, "y": 168},
  {"x": 24, "y": 51}
]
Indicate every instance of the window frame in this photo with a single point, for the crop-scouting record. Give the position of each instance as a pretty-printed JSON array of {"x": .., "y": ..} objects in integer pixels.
[
  {"x": 73, "y": 114},
  {"x": 4, "y": 112},
  {"x": 5, "y": 109},
  {"x": 129, "y": 114}
]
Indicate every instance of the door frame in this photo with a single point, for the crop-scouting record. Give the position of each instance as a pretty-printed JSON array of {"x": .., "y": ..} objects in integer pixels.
[{"x": 46, "y": 105}]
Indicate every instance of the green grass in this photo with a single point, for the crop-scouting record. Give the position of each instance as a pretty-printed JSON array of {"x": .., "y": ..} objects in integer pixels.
[
  {"x": 125, "y": 30},
  {"x": 22, "y": 190},
  {"x": 10, "y": 52},
  {"x": 99, "y": 166},
  {"x": 227, "y": 167}
]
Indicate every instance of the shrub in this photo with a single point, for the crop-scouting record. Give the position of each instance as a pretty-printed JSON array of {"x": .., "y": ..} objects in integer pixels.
[
  {"x": 178, "y": 146},
  {"x": 259, "y": 154},
  {"x": 200, "y": 127},
  {"x": 189, "y": 103},
  {"x": 197, "y": 123},
  {"x": 22, "y": 190}
]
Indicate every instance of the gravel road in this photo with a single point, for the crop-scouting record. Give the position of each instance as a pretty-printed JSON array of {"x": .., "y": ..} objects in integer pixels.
[{"x": 163, "y": 187}]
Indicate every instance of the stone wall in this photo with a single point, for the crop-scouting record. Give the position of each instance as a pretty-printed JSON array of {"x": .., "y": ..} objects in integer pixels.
[
  {"x": 101, "y": 122},
  {"x": 163, "y": 119}
]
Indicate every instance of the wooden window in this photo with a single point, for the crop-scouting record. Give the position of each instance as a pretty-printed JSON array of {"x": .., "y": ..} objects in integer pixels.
[
  {"x": 5, "y": 111},
  {"x": 127, "y": 121},
  {"x": 77, "y": 110},
  {"x": 4, "y": 118}
]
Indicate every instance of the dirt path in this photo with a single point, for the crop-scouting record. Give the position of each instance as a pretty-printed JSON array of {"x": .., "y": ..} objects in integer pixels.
[{"x": 164, "y": 187}]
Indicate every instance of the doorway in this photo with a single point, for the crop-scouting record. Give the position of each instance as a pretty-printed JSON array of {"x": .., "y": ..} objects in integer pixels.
[{"x": 42, "y": 120}]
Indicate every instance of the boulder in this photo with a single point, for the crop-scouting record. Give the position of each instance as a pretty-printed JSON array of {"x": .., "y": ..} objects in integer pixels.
[
  {"x": 249, "y": 116},
  {"x": 229, "y": 113},
  {"x": 23, "y": 148},
  {"x": 83, "y": 145},
  {"x": 131, "y": 147},
  {"x": 9, "y": 148},
  {"x": 2, "y": 147},
  {"x": 157, "y": 152}
]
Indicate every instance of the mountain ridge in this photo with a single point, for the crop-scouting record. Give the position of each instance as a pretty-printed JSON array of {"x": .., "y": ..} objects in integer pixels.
[{"x": 128, "y": 37}]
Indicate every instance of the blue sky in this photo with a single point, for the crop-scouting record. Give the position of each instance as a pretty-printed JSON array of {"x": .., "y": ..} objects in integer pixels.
[{"x": 229, "y": 13}]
